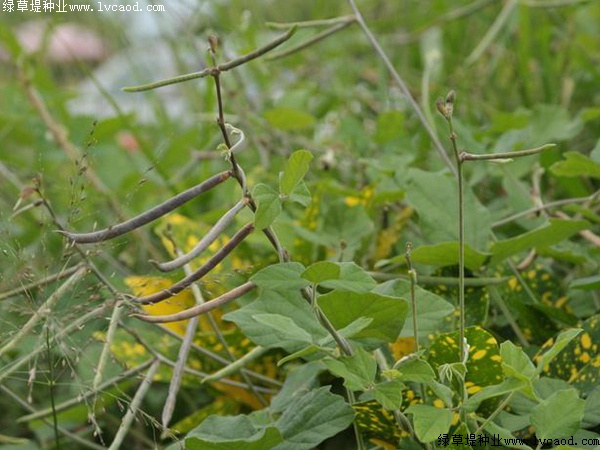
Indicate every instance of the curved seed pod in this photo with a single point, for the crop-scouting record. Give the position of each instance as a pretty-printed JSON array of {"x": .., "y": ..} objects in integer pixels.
[
  {"x": 150, "y": 215},
  {"x": 200, "y": 309},
  {"x": 205, "y": 242},
  {"x": 210, "y": 265}
]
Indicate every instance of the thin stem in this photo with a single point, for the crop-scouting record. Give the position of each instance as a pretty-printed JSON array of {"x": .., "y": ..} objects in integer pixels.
[
  {"x": 461, "y": 238},
  {"x": 150, "y": 215},
  {"x": 489, "y": 37},
  {"x": 219, "y": 68},
  {"x": 236, "y": 365},
  {"x": 497, "y": 411},
  {"x": 313, "y": 40},
  {"x": 110, "y": 336},
  {"x": 44, "y": 310},
  {"x": 27, "y": 287},
  {"x": 360, "y": 441},
  {"x": 218, "y": 358},
  {"x": 449, "y": 281},
  {"x": 403, "y": 87},
  {"x": 535, "y": 209},
  {"x": 74, "y": 437},
  {"x": 8, "y": 370},
  {"x": 74, "y": 401},
  {"x": 310, "y": 23},
  {"x": 200, "y": 309},
  {"x": 198, "y": 274},
  {"x": 51, "y": 387},
  {"x": 464, "y": 156},
  {"x": 134, "y": 406},
  {"x": 412, "y": 275},
  {"x": 495, "y": 296}
]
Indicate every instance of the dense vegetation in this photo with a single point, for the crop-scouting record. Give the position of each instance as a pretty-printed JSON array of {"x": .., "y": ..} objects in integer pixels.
[{"x": 358, "y": 230}]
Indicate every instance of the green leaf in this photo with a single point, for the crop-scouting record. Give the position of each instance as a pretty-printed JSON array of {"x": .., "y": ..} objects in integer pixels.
[
  {"x": 575, "y": 165},
  {"x": 311, "y": 418},
  {"x": 389, "y": 394},
  {"x": 289, "y": 304},
  {"x": 284, "y": 328},
  {"x": 591, "y": 417},
  {"x": 358, "y": 370},
  {"x": 352, "y": 278},
  {"x": 434, "y": 195},
  {"x": 299, "y": 380},
  {"x": 288, "y": 119},
  {"x": 301, "y": 194},
  {"x": 579, "y": 362},
  {"x": 586, "y": 284},
  {"x": 562, "y": 340},
  {"x": 446, "y": 254},
  {"x": 306, "y": 352},
  {"x": 231, "y": 433},
  {"x": 296, "y": 167},
  {"x": 414, "y": 369},
  {"x": 345, "y": 225},
  {"x": 321, "y": 271},
  {"x": 495, "y": 390},
  {"x": 268, "y": 206},
  {"x": 280, "y": 277},
  {"x": 515, "y": 363},
  {"x": 559, "y": 415},
  {"x": 429, "y": 421},
  {"x": 496, "y": 430},
  {"x": 388, "y": 313},
  {"x": 350, "y": 330},
  {"x": 431, "y": 309},
  {"x": 551, "y": 233}
]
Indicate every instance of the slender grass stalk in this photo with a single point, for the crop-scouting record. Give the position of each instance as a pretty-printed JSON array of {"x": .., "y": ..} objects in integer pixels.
[
  {"x": 493, "y": 415},
  {"x": 110, "y": 336},
  {"x": 493, "y": 31},
  {"x": 8, "y": 370},
  {"x": 47, "y": 280},
  {"x": 178, "y": 370},
  {"x": 403, "y": 87},
  {"x": 545, "y": 206},
  {"x": 74, "y": 401},
  {"x": 51, "y": 387},
  {"x": 45, "y": 309},
  {"x": 74, "y": 437},
  {"x": 236, "y": 365},
  {"x": 448, "y": 281},
  {"x": 134, "y": 406},
  {"x": 218, "y": 358}
]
